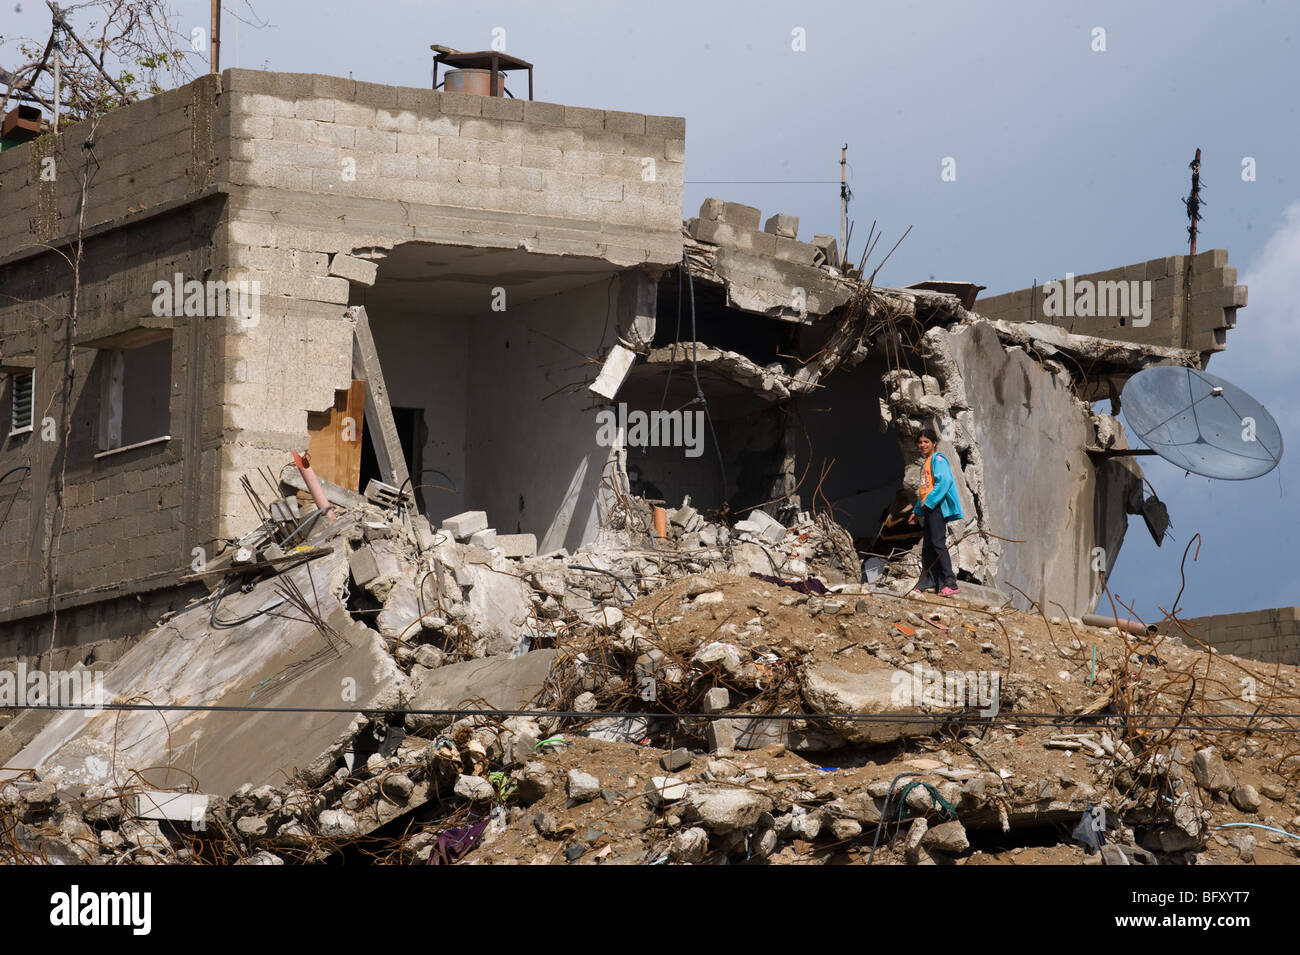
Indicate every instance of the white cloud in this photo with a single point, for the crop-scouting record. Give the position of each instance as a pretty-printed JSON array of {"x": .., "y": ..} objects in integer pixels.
[{"x": 1268, "y": 332}]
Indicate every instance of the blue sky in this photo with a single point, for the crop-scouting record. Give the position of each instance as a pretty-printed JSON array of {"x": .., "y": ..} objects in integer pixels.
[{"x": 1067, "y": 159}]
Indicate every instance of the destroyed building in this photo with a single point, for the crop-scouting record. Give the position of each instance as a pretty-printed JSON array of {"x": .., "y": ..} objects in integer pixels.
[
  {"x": 439, "y": 295},
  {"x": 502, "y": 251}
]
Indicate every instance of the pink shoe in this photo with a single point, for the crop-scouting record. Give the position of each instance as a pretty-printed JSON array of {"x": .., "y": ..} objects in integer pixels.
[
  {"x": 918, "y": 590},
  {"x": 948, "y": 591}
]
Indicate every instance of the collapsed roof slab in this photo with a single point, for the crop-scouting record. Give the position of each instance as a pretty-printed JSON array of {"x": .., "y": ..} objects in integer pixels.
[{"x": 272, "y": 659}]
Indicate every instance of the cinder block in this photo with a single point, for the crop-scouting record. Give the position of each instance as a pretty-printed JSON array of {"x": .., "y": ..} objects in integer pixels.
[
  {"x": 669, "y": 127},
  {"x": 782, "y": 225},
  {"x": 620, "y": 122},
  {"x": 364, "y": 566},
  {"x": 740, "y": 216},
  {"x": 315, "y": 108},
  {"x": 517, "y": 545},
  {"x": 605, "y": 189},
  {"x": 464, "y": 150},
  {"x": 583, "y": 118},
  {"x": 462, "y": 526},
  {"x": 349, "y": 267},
  {"x": 1213, "y": 259},
  {"x": 353, "y": 114},
  {"x": 547, "y": 114},
  {"x": 463, "y": 104},
  {"x": 439, "y": 125},
  {"x": 500, "y": 154},
  {"x": 417, "y": 143},
  {"x": 541, "y": 157},
  {"x": 502, "y": 107},
  {"x": 792, "y": 250},
  {"x": 375, "y": 141}
]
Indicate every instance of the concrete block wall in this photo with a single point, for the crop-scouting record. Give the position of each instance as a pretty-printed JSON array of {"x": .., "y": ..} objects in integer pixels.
[
  {"x": 129, "y": 520},
  {"x": 1272, "y": 636},
  {"x": 318, "y": 165},
  {"x": 1215, "y": 298},
  {"x": 152, "y": 152}
]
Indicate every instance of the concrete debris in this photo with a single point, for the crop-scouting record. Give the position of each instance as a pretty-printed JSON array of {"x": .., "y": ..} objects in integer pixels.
[
  {"x": 1211, "y": 773},
  {"x": 475, "y": 646}
]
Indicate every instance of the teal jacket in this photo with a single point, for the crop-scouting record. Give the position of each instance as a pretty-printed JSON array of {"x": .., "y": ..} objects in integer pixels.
[{"x": 944, "y": 493}]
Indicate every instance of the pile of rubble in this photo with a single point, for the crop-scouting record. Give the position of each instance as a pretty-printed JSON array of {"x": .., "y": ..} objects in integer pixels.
[{"x": 724, "y": 694}]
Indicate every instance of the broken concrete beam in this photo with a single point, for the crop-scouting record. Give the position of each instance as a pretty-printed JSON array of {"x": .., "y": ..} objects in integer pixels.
[
  {"x": 517, "y": 545},
  {"x": 465, "y": 525},
  {"x": 486, "y": 538},
  {"x": 353, "y": 269},
  {"x": 783, "y": 225}
]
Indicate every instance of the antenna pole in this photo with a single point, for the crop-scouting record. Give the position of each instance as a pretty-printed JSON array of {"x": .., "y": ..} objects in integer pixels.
[
  {"x": 844, "y": 196},
  {"x": 1193, "y": 200}
]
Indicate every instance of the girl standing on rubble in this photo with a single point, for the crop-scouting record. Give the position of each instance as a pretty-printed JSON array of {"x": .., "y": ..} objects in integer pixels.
[{"x": 937, "y": 505}]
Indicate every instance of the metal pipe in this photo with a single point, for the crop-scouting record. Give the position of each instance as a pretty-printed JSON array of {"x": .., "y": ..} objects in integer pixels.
[
  {"x": 317, "y": 492},
  {"x": 1130, "y": 626},
  {"x": 216, "y": 36}
]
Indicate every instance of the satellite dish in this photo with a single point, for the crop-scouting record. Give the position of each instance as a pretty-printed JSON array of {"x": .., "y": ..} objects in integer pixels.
[{"x": 1201, "y": 423}]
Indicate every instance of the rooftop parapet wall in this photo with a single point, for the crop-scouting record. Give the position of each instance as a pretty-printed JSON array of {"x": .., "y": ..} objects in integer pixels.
[
  {"x": 767, "y": 271},
  {"x": 147, "y": 156},
  {"x": 376, "y": 165},
  {"x": 1111, "y": 312}
]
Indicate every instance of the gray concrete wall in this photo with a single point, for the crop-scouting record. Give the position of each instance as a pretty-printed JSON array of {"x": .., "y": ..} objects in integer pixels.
[
  {"x": 127, "y": 521},
  {"x": 1269, "y": 635},
  {"x": 1215, "y": 298},
  {"x": 150, "y": 155},
  {"x": 1034, "y": 484},
  {"x": 532, "y": 461}
]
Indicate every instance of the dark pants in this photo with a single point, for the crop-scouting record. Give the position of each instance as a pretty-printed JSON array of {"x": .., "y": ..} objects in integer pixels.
[{"x": 936, "y": 565}]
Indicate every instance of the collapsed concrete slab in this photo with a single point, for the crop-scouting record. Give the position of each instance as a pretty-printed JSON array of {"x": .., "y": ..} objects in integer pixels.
[{"x": 268, "y": 660}]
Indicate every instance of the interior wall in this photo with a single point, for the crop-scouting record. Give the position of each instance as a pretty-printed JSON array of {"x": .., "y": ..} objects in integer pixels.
[
  {"x": 425, "y": 357},
  {"x": 532, "y": 459},
  {"x": 843, "y": 425}
]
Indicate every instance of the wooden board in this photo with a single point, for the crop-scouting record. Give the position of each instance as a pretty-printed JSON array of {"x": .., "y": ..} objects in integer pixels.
[
  {"x": 383, "y": 430},
  {"x": 335, "y": 448}
]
